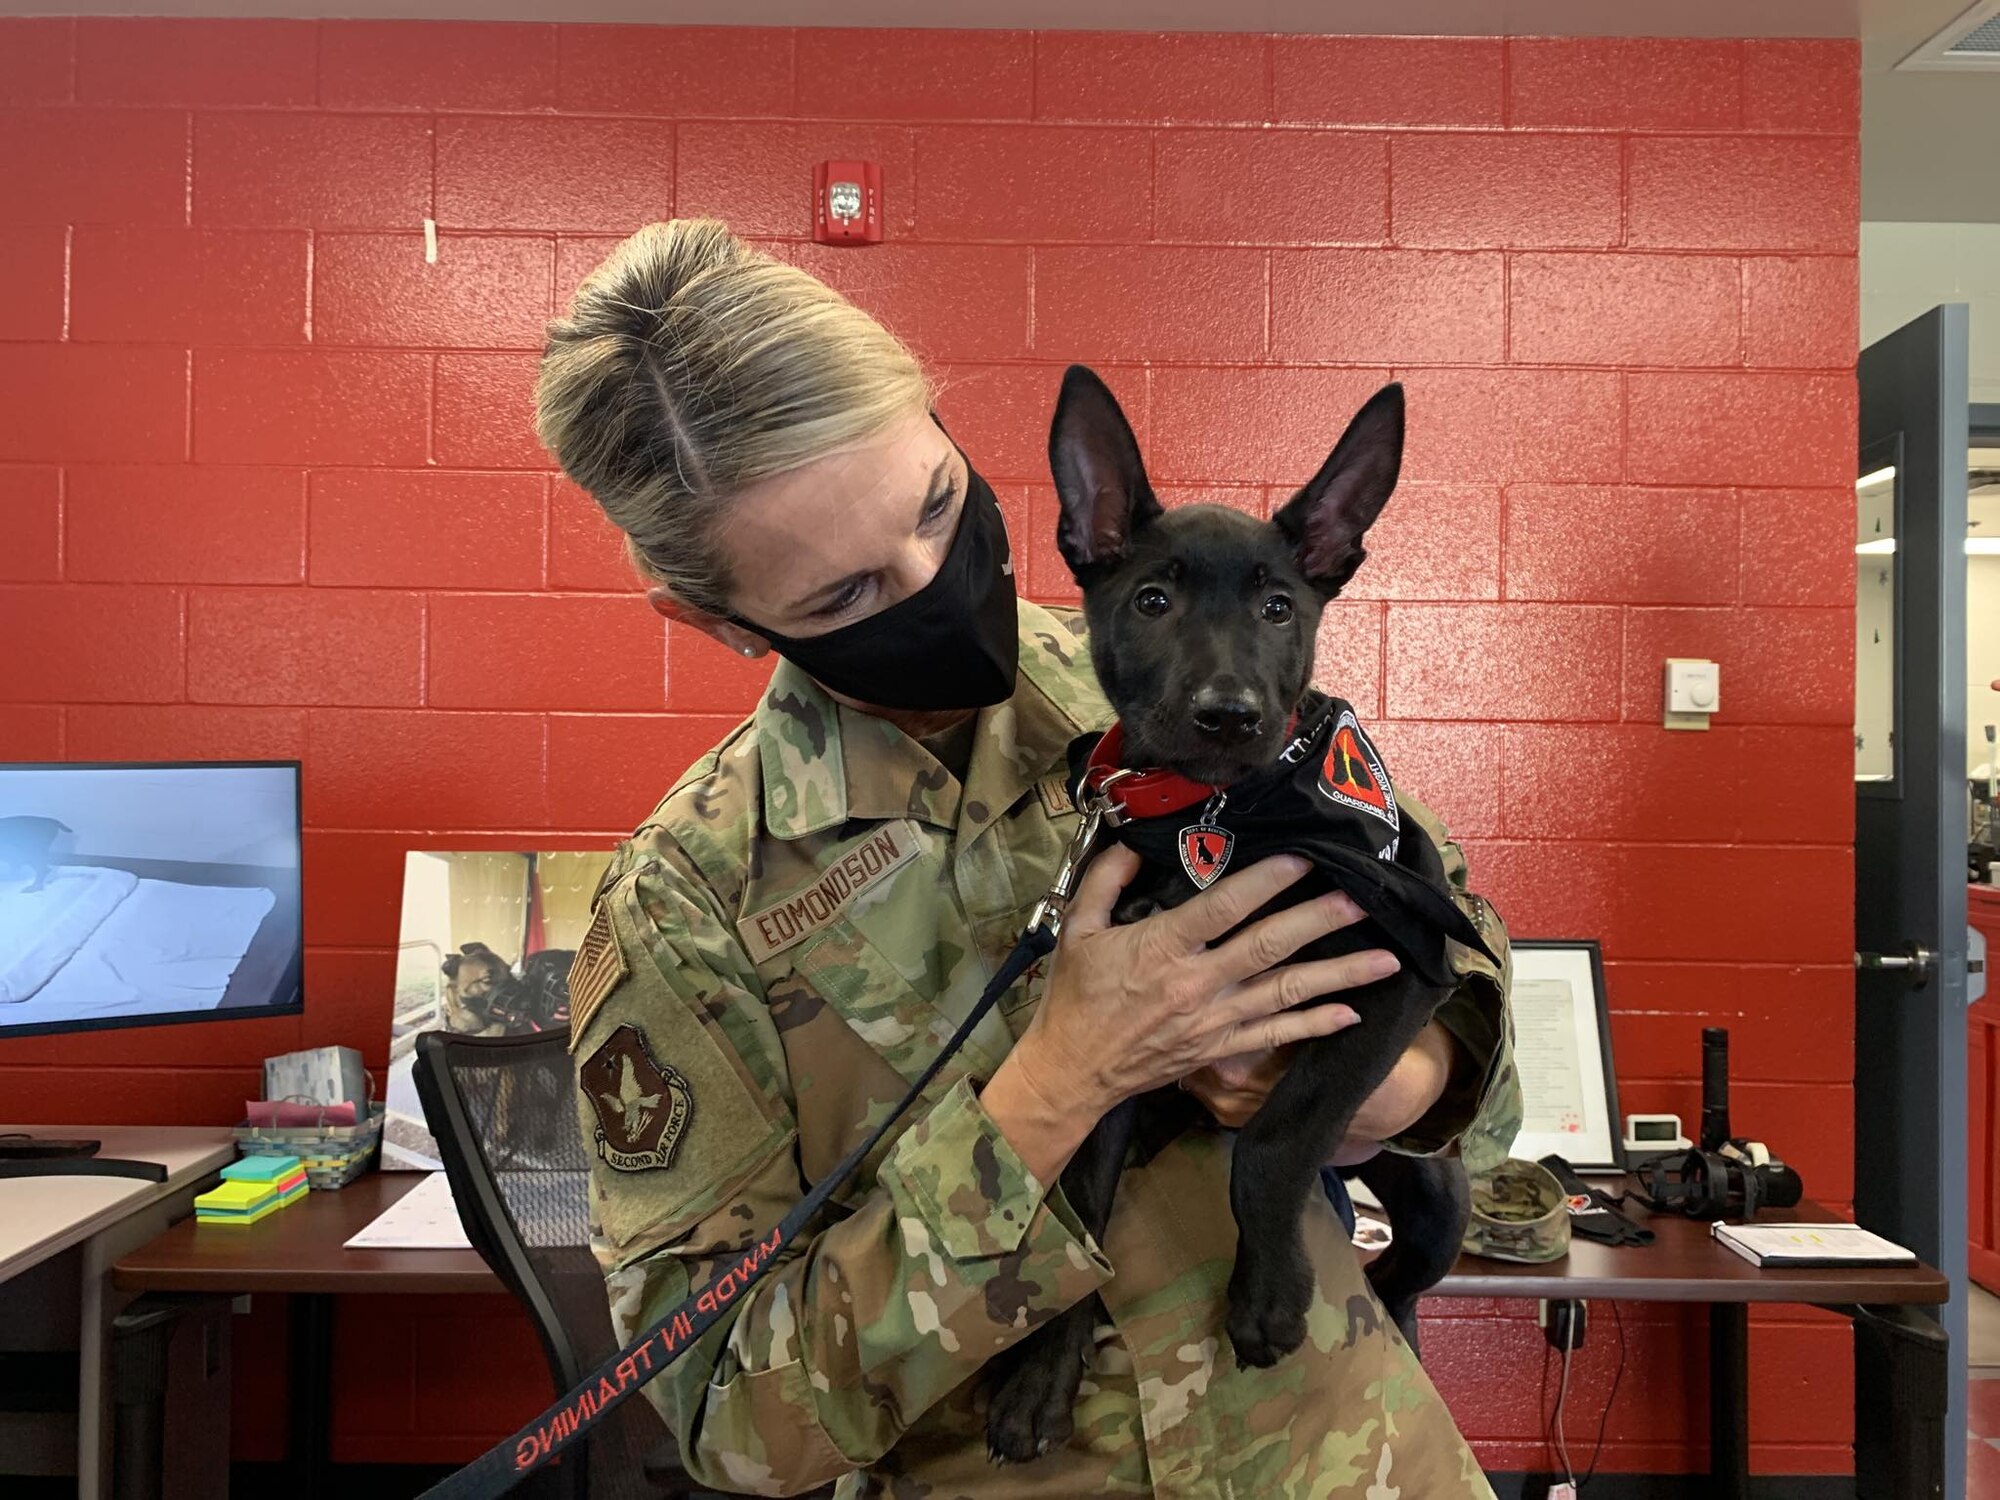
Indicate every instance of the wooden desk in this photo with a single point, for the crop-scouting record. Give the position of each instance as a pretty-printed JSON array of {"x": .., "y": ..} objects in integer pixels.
[
  {"x": 1685, "y": 1264},
  {"x": 302, "y": 1251},
  {"x": 1894, "y": 1433}
]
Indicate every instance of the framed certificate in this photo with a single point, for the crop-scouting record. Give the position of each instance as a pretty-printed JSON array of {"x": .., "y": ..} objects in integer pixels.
[{"x": 1562, "y": 1052}]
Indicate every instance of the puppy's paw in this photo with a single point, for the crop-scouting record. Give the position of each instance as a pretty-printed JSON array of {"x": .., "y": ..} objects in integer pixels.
[
  {"x": 1266, "y": 1325},
  {"x": 1030, "y": 1411}
]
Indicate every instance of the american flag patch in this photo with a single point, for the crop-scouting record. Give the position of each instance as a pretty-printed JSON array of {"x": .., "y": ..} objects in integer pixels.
[{"x": 597, "y": 970}]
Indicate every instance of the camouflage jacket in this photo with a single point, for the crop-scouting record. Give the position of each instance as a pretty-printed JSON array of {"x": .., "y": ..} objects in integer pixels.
[{"x": 776, "y": 955}]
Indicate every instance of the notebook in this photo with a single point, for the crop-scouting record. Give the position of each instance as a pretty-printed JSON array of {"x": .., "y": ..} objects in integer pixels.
[{"x": 1810, "y": 1245}]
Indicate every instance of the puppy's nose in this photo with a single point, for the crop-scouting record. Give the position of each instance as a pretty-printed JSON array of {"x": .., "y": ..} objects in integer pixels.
[{"x": 1229, "y": 716}]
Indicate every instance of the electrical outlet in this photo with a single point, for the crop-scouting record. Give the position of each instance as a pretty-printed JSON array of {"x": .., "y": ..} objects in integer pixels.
[{"x": 1563, "y": 1322}]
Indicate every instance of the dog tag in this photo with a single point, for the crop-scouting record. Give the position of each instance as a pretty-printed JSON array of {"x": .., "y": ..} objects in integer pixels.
[{"x": 1205, "y": 852}]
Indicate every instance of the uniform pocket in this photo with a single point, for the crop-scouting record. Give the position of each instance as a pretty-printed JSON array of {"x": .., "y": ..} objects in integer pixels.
[{"x": 884, "y": 1002}]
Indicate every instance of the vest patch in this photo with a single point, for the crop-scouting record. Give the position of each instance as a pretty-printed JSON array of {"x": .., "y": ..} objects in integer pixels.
[
  {"x": 867, "y": 862},
  {"x": 1352, "y": 773}
]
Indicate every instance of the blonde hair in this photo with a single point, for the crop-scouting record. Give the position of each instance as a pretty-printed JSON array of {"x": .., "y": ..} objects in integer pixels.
[{"x": 692, "y": 365}]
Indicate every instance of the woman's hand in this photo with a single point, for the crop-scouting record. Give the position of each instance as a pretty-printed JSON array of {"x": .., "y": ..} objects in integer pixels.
[
  {"x": 1234, "y": 1089},
  {"x": 1132, "y": 1008}
]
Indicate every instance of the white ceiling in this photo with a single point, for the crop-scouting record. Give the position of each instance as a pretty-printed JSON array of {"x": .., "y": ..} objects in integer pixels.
[{"x": 1927, "y": 138}]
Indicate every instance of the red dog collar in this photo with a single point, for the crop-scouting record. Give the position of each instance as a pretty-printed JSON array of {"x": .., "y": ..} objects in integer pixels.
[
  {"x": 1138, "y": 794},
  {"x": 1145, "y": 794}
]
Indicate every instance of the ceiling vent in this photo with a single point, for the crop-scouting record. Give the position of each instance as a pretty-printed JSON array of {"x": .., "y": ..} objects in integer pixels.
[{"x": 1970, "y": 42}]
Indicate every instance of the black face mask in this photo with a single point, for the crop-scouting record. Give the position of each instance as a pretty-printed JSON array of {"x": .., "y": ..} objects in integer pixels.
[{"x": 954, "y": 643}]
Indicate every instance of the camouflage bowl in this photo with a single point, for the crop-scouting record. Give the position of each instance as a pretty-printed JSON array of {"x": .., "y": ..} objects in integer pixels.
[{"x": 1518, "y": 1213}]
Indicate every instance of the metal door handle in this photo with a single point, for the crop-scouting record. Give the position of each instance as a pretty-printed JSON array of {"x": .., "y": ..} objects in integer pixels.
[{"x": 1915, "y": 960}]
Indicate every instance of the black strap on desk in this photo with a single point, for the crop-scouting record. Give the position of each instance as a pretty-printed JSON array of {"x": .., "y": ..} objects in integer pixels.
[
  {"x": 1603, "y": 1221},
  {"x": 620, "y": 1377},
  {"x": 84, "y": 1166}
]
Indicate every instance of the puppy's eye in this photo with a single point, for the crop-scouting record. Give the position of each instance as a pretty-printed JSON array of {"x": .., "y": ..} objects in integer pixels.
[
  {"x": 1152, "y": 602},
  {"x": 1277, "y": 609}
]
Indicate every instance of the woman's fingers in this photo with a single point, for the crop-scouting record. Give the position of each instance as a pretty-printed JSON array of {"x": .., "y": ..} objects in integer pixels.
[
  {"x": 1294, "y": 985},
  {"x": 1277, "y": 937},
  {"x": 1287, "y": 1027},
  {"x": 1230, "y": 900},
  {"x": 1104, "y": 879}
]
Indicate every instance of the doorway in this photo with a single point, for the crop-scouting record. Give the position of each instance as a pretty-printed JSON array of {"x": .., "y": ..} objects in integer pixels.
[
  {"x": 1982, "y": 595},
  {"x": 1910, "y": 837}
]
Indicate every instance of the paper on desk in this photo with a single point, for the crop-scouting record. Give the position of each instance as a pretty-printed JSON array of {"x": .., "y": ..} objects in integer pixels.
[{"x": 425, "y": 1218}]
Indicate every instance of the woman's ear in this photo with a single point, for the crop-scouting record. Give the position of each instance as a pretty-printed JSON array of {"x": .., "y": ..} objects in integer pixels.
[{"x": 743, "y": 642}]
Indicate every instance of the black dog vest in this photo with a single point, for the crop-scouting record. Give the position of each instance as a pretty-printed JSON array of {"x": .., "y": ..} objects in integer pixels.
[{"x": 1328, "y": 797}]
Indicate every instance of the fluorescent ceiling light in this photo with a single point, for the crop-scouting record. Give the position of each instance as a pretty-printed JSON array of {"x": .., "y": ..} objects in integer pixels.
[{"x": 1888, "y": 471}]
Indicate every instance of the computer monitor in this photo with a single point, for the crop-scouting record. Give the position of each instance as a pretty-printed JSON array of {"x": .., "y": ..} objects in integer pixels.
[{"x": 148, "y": 893}]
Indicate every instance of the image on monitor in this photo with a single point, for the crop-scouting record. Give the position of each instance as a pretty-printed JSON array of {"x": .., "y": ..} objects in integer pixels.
[{"x": 139, "y": 894}]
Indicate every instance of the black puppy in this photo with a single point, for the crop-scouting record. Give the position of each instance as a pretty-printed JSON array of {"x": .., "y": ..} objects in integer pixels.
[
  {"x": 25, "y": 844},
  {"x": 1202, "y": 627}
]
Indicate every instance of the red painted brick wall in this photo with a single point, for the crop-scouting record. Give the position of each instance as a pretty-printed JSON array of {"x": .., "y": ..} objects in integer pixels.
[{"x": 269, "y": 488}]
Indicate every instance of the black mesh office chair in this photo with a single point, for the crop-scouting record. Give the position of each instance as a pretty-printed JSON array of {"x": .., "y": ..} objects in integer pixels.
[{"x": 503, "y": 1112}]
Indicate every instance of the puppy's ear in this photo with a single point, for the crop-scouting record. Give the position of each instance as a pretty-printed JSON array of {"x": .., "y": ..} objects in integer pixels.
[
  {"x": 1099, "y": 476},
  {"x": 450, "y": 966},
  {"x": 1325, "y": 521},
  {"x": 479, "y": 948}
]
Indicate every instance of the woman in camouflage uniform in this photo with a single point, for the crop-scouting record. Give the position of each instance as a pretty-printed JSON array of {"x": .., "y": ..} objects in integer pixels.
[{"x": 790, "y": 935}]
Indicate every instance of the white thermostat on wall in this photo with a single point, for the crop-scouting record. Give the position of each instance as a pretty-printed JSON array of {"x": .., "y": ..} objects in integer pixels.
[{"x": 1693, "y": 692}]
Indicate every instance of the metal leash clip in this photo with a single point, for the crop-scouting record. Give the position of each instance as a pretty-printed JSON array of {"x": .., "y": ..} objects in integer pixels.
[{"x": 1097, "y": 811}]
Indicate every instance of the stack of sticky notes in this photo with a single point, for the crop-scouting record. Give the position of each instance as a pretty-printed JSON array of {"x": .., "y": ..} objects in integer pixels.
[{"x": 253, "y": 1188}]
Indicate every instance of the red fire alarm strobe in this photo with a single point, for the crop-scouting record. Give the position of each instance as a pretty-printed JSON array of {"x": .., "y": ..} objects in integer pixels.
[{"x": 847, "y": 203}]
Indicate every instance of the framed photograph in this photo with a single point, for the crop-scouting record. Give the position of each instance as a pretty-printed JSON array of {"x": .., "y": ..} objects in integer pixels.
[
  {"x": 487, "y": 939},
  {"x": 1562, "y": 1050}
]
